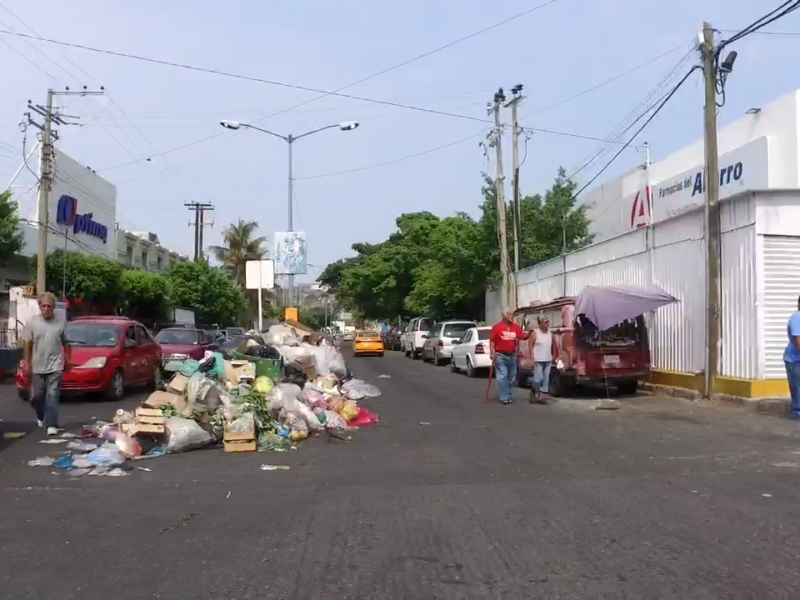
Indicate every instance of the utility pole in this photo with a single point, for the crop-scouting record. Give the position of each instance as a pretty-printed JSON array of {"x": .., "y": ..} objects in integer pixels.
[
  {"x": 505, "y": 266},
  {"x": 48, "y": 135},
  {"x": 515, "y": 202},
  {"x": 199, "y": 208},
  {"x": 712, "y": 223}
]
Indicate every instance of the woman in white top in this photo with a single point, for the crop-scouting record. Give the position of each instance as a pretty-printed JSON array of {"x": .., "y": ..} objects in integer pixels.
[{"x": 543, "y": 352}]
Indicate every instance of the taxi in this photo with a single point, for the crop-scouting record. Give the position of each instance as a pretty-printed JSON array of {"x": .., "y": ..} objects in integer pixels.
[{"x": 368, "y": 342}]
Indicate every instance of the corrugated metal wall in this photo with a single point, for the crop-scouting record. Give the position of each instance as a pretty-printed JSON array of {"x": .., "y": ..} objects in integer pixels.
[
  {"x": 781, "y": 288},
  {"x": 676, "y": 263}
]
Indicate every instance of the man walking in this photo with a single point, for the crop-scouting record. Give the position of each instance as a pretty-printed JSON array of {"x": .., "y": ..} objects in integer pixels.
[
  {"x": 791, "y": 357},
  {"x": 503, "y": 343},
  {"x": 45, "y": 335}
]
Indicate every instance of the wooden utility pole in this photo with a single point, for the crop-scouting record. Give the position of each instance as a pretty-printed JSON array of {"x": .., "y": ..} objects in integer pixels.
[
  {"x": 515, "y": 200},
  {"x": 45, "y": 184},
  {"x": 712, "y": 222},
  {"x": 505, "y": 265}
]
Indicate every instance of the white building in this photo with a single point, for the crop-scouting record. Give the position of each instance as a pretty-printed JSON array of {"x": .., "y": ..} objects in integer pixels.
[
  {"x": 82, "y": 216},
  {"x": 662, "y": 241}
]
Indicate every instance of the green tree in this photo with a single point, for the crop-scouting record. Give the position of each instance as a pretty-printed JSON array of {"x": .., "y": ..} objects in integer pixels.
[
  {"x": 146, "y": 296},
  {"x": 240, "y": 245},
  {"x": 209, "y": 291},
  {"x": 93, "y": 279},
  {"x": 11, "y": 236}
]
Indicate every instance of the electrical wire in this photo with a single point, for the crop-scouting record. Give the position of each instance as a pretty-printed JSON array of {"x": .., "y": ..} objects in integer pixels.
[
  {"x": 652, "y": 116},
  {"x": 416, "y": 58},
  {"x": 781, "y": 11}
]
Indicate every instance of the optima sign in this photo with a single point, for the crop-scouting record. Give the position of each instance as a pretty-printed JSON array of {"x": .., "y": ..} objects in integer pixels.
[{"x": 67, "y": 214}]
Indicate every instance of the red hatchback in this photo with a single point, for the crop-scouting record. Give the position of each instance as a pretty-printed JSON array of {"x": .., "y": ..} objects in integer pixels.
[{"x": 108, "y": 354}]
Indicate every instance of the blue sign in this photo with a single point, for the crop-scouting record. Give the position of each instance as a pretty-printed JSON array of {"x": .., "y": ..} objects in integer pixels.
[{"x": 67, "y": 215}]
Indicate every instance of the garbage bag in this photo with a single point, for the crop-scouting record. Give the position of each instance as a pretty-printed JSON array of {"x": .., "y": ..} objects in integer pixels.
[
  {"x": 213, "y": 364},
  {"x": 356, "y": 389},
  {"x": 282, "y": 394},
  {"x": 107, "y": 455},
  {"x": 263, "y": 385},
  {"x": 329, "y": 360},
  {"x": 184, "y": 435},
  {"x": 243, "y": 424},
  {"x": 363, "y": 418},
  {"x": 281, "y": 335},
  {"x": 349, "y": 411},
  {"x": 189, "y": 367},
  {"x": 334, "y": 421}
]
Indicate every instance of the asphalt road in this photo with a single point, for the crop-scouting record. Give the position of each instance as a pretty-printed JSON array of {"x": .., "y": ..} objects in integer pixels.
[{"x": 445, "y": 498}]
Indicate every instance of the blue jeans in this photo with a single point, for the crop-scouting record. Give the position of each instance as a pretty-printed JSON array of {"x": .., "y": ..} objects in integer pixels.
[
  {"x": 505, "y": 368},
  {"x": 540, "y": 376},
  {"x": 793, "y": 375},
  {"x": 46, "y": 388}
]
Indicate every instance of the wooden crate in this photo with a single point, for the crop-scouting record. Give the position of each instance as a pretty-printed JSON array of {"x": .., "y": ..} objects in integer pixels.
[
  {"x": 147, "y": 420},
  {"x": 239, "y": 442}
]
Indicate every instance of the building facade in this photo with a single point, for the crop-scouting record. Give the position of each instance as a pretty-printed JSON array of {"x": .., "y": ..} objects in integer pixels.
[{"x": 649, "y": 224}]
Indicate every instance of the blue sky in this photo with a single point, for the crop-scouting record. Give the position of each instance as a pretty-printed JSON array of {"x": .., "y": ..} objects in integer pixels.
[{"x": 556, "y": 52}]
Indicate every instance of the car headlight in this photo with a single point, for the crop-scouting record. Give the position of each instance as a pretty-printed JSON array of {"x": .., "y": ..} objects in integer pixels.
[
  {"x": 178, "y": 356},
  {"x": 94, "y": 363}
]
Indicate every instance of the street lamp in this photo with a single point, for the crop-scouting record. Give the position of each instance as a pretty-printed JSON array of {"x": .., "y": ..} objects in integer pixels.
[{"x": 289, "y": 139}]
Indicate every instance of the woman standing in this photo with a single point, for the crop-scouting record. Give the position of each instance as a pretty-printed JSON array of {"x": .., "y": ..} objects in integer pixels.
[{"x": 544, "y": 352}]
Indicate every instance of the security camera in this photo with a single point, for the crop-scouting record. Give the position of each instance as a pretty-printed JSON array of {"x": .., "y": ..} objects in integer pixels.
[{"x": 727, "y": 64}]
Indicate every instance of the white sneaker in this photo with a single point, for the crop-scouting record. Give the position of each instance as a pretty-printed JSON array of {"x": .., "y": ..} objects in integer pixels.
[
  {"x": 52, "y": 431},
  {"x": 39, "y": 423}
]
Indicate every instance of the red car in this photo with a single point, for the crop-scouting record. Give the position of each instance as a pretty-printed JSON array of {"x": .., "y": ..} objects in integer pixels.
[
  {"x": 108, "y": 354},
  {"x": 183, "y": 343}
]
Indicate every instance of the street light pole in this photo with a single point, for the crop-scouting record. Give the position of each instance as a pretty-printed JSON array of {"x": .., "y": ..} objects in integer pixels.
[{"x": 290, "y": 140}]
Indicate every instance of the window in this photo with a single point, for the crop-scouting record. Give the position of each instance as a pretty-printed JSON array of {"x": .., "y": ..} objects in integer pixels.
[
  {"x": 484, "y": 334},
  {"x": 456, "y": 330},
  {"x": 143, "y": 337},
  {"x": 424, "y": 325},
  {"x": 144, "y": 260},
  {"x": 129, "y": 256},
  {"x": 160, "y": 263},
  {"x": 94, "y": 335},
  {"x": 412, "y": 324},
  {"x": 130, "y": 334},
  {"x": 178, "y": 337},
  {"x": 467, "y": 337}
]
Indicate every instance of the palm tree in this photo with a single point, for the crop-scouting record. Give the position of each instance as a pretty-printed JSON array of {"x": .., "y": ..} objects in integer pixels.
[{"x": 240, "y": 246}]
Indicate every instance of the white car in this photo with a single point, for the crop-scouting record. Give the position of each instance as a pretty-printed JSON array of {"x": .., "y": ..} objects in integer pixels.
[
  {"x": 412, "y": 338},
  {"x": 471, "y": 352},
  {"x": 438, "y": 345}
]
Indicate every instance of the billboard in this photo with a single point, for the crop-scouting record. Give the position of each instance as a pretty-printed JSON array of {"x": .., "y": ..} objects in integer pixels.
[{"x": 290, "y": 253}]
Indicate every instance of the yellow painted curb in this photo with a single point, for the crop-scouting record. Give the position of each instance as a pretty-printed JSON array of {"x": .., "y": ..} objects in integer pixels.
[{"x": 729, "y": 386}]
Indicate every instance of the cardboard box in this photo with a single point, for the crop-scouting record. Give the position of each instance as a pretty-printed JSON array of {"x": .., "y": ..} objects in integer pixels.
[
  {"x": 146, "y": 420},
  {"x": 239, "y": 442},
  {"x": 177, "y": 385},
  {"x": 159, "y": 399},
  {"x": 308, "y": 364},
  {"x": 239, "y": 371}
]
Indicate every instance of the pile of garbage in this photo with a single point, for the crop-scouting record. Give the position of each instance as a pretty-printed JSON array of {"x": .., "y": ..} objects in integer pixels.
[{"x": 261, "y": 393}]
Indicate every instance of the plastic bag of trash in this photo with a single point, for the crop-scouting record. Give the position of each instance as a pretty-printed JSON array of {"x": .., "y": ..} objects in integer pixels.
[
  {"x": 184, "y": 435},
  {"x": 213, "y": 364},
  {"x": 356, "y": 389},
  {"x": 107, "y": 455},
  {"x": 281, "y": 335},
  {"x": 329, "y": 360},
  {"x": 292, "y": 355},
  {"x": 334, "y": 421},
  {"x": 263, "y": 384},
  {"x": 243, "y": 424},
  {"x": 189, "y": 367}
]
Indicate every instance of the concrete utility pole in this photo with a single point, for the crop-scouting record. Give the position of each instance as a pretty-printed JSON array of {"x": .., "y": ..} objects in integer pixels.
[
  {"x": 515, "y": 201},
  {"x": 712, "y": 224},
  {"x": 199, "y": 208},
  {"x": 505, "y": 265},
  {"x": 46, "y": 169}
]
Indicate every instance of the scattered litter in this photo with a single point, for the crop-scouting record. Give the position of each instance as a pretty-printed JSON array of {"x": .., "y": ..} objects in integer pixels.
[
  {"x": 228, "y": 496},
  {"x": 275, "y": 467},
  {"x": 81, "y": 446},
  {"x": 14, "y": 435},
  {"x": 767, "y": 495},
  {"x": 42, "y": 461},
  {"x": 69, "y": 436},
  {"x": 181, "y": 523},
  {"x": 384, "y": 376},
  {"x": 145, "y": 469},
  {"x": 115, "y": 473},
  {"x": 65, "y": 463},
  {"x": 607, "y": 405},
  {"x": 53, "y": 441},
  {"x": 424, "y": 423},
  {"x": 79, "y": 472}
]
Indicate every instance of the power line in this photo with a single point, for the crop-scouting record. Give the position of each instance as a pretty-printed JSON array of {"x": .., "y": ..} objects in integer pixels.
[
  {"x": 416, "y": 58},
  {"x": 778, "y": 13},
  {"x": 661, "y": 105}
]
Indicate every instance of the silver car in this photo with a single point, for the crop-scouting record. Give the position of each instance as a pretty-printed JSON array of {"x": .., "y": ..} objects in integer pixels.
[{"x": 438, "y": 346}]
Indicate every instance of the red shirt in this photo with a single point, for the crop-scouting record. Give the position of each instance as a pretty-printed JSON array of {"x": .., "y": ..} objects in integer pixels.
[{"x": 505, "y": 337}]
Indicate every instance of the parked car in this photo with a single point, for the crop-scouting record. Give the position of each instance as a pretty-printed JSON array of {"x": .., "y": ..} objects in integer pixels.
[
  {"x": 392, "y": 338},
  {"x": 471, "y": 352},
  {"x": 347, "y": 336},
  {"x": 413, "y": 337},
  {"x": 185, "y": 343},
  {"x": 368, "y": 342},
  {"x": 107, "y": 355},
  {"x": 618, "y": 356},
  {"x": 438, "y": 344}
]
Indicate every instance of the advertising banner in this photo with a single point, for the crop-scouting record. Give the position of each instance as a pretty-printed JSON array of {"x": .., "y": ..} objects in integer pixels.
[{"x": 290, "y": 253}]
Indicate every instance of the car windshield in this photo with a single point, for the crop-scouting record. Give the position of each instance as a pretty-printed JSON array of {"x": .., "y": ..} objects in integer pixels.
[
  {"x": 368, "y": 334},
  {"x": 177, "y": 337},
  {"x": 98, "y": 335},
  {"x": 456, "y": 330},
  {"x": 484, "y": 334}
]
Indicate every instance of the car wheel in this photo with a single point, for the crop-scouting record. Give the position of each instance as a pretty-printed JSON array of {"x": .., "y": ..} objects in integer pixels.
[
  {"x": 116, "y": 389},
  {"x": 628, "y": 387},
  {"x": 453, "y": 367},
  {"x": 381, "y": 354},
  {"x": 416, "y": 354},
  {"x": 470, "y": 369}
]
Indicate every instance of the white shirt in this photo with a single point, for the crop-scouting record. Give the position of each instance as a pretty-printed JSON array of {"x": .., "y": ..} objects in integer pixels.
[{"x": 543, "y": 346}]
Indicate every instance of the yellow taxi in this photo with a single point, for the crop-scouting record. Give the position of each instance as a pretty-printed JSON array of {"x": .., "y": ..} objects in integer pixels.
[{"x": 368, "y": 342}]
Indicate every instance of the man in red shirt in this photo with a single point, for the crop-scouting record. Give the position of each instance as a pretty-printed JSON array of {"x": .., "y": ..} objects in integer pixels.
[{"x": 503, "y": 343}]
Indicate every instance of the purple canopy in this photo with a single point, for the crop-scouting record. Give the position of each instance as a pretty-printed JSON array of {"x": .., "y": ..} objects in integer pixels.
[{"x": 605, "y": 306}]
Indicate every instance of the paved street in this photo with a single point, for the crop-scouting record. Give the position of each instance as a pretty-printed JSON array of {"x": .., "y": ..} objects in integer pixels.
[{"x": 660, "y": 499}]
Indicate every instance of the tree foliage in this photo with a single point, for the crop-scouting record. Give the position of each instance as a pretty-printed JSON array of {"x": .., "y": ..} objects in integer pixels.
[
  {"x": 209, "y": 291},
  {"x": 240, "y": 245},
  {"x": 93, "y": 279},
  {"x": 11, "y": 236},
  {"x": 146, "y": 296},
  {"x": 441, "y": 266}
]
